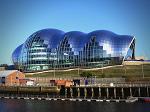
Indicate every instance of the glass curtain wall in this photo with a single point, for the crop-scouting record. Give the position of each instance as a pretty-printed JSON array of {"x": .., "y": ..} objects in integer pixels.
[{"x": 51, "y": 48}]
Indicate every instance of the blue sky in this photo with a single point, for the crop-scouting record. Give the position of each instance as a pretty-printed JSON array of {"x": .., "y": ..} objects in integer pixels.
[{"x": 20, "y": 18}]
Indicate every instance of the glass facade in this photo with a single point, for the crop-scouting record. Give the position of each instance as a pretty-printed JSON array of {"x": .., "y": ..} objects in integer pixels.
[{"x": 52, "y": 48}]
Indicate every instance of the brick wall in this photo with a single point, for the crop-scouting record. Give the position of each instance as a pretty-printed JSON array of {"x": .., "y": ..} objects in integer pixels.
[{"x": 13, "y": 78}]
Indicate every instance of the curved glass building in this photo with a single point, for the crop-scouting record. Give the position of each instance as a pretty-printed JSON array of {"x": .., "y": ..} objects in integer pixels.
[{"x": 52, "y": 48}]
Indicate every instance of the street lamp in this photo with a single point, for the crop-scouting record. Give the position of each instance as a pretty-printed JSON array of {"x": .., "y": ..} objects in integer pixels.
[
  {"x": 78, "y": 70},
  {"x": 54, "y": 64},
  {"x": 124, "y": 63},
  {"x": 102, "y": 65},
  {"x": 142, "y": 69},
  {"x": 54, "y": 68}
]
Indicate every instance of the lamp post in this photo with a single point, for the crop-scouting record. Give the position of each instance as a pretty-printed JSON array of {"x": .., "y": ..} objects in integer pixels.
[
  {"x": 125, "y": 68},
  {"x": 54, "y": 68},
  {"x": 95, "y": 80},
  {"x": 78, "y": 70},
  {"x": 78, "y": 65},
  {"x": 102, "y": 65},
  {"x": 142, "y": 69},
  {"x": 54, "y": 64}
]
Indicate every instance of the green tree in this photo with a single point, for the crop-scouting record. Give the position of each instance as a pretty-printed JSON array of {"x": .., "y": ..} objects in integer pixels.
[
  {"x": 103, "y": 75},
  {"x": 86, "y": 74}
]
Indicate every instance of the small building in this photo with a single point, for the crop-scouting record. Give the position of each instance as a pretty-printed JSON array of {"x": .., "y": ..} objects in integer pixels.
[
  {"x": 76, "y": 82},
  {"x": 66, "y": 83},
  {"x": 30, "y": 82},
  {"x": 2, "y": 68},
  {"x": 26, "y": 82},
  {"x": 60, "y": 82},
  {"x": 52, "y": 83},
  {"x": 11, "y": 77}
]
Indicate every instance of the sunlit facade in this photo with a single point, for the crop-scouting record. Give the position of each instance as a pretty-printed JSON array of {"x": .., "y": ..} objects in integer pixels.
[{"x": 51, "y": 48}]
